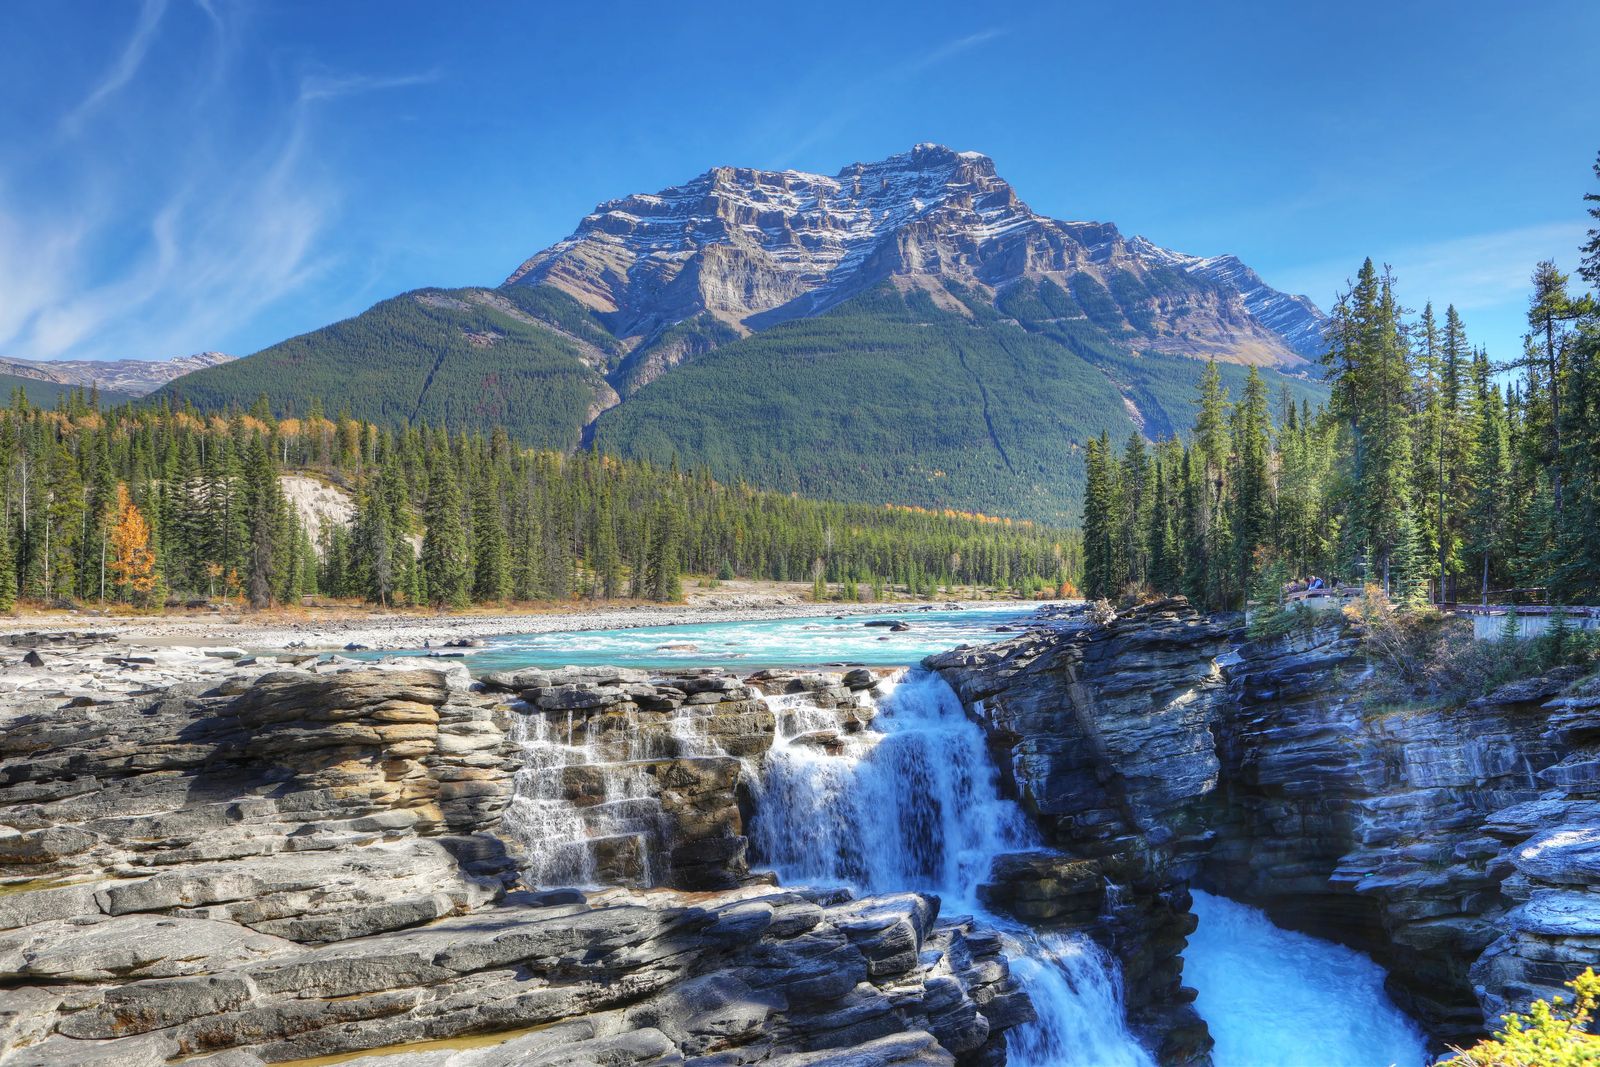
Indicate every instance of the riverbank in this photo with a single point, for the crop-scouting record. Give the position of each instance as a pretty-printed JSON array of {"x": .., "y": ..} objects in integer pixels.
[{"x": 337, "y": 629}]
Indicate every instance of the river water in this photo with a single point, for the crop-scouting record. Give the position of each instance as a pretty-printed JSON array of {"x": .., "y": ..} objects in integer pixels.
[
  {"x": 748, "y": 645},
  {"x": 912, "y": 803}
]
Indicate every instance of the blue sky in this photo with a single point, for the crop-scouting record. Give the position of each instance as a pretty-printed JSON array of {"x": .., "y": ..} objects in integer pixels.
[{"x": 180, "y": 175}]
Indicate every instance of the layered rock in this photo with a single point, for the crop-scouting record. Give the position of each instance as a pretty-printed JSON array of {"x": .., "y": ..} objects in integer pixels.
[
  {"x": 1550, "y": 866},
  {"x": 260, "y": 867},
  {"x": 737, "y": 978}
]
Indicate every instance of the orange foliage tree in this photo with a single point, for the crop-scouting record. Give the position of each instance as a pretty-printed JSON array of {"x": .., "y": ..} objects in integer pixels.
[{"x": 133, "y": 565}]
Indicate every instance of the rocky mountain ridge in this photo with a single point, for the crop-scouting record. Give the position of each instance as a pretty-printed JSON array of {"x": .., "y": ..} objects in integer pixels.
[
  {"x": 967, "y": 346},
  {"x": 752, "y": 248},
  {"x": 128, "y": 377}
]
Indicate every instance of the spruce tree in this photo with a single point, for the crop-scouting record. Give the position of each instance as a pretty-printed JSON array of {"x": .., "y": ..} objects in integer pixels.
[
  {"x": 1490, "y": 475},
  {"x": 491, "y": 555},
  {"x": 446, "y": 563},
  {"x": 1100, "y": 531},
  {"x": 263, "y": 521},
  {"x": 1251, "y": 516}
]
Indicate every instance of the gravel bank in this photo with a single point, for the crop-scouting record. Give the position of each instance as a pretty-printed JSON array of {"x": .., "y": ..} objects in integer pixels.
[{"x": 393, "y": 632}]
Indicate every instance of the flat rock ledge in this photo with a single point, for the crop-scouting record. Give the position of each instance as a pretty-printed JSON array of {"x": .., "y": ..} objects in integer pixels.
[{"x": 266, "y": 864}]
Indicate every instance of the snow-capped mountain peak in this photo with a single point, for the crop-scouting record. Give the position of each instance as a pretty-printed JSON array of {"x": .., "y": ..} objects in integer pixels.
[{"x": 753, "y": 247}]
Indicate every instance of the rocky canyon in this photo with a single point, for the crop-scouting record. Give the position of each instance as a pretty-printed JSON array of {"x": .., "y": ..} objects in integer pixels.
[{"x": 401, "y": 863}]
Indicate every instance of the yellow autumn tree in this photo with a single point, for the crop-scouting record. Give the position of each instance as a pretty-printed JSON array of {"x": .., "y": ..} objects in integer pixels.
[{"x": 133, "y": 565}]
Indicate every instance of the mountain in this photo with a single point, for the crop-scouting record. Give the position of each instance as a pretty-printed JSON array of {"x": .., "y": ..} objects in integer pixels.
[
  {"x": 123, "y": 377},
  {"x": 907, "y": 331},
  {"x": 752, "y": 248}
]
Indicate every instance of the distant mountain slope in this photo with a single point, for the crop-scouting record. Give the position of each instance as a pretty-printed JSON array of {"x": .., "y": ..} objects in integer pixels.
[
  {"x": 46, "y": 393},
  {"x": 907, "y": 330},
  {"x": 123, "y": 377},
  {"x": 891, "y": 397},
  {"x": 526, "y": 359}
]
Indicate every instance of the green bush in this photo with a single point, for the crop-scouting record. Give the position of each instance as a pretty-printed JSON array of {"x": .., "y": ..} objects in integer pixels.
[{"x": 1553, "y": 1033}]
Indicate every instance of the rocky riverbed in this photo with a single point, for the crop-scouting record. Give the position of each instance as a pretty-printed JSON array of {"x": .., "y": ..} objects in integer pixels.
[
  {"x": 334, "y": 630},
  {"x": 265, "y": 864}
]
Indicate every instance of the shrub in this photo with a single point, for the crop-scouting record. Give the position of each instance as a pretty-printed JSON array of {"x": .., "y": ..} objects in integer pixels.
[
  {"x": 1551, "y": 1034},
  {"x": 1418, "y": 652}
]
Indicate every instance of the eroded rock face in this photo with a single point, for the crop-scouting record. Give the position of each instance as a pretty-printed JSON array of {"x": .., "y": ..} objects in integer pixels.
[
  {"x": 1457, "y": 844},
  {"x": 272, "y": 866},
  {"x": 738, "y": 976},
  {"x": 1370, "y": 824}
]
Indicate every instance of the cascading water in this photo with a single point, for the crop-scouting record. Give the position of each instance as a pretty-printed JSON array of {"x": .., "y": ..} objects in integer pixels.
[
  {"x": 569, "y": 752},
  {"x": 913, "y": 803}
]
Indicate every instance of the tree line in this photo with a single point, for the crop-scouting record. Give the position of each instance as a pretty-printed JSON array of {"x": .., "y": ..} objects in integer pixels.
[
  {"x": 155, "y": 504},
  {"x": 1432, "y": 471}
]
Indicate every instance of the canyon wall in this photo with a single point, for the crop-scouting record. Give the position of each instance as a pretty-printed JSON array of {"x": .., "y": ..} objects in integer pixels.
[{"x": 1453, "y": 841}]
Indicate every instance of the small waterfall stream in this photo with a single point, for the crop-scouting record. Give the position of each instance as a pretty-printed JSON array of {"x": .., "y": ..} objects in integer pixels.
[
  {"x": 913, "y": 803},
  {"x": 598, "y": 758}
]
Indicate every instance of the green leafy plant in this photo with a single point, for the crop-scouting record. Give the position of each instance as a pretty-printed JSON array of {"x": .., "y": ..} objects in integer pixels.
[{"x": 1553, "y": 1033}]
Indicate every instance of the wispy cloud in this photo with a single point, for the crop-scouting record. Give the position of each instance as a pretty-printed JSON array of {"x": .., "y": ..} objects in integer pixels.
[
  {"x": 234, "y": 202},
  {"x": 951, "y": 49},
  {"x": 332, "y": 86},
  {"x": 127, "y": 64},
  {"x": 868, "y": 91}
]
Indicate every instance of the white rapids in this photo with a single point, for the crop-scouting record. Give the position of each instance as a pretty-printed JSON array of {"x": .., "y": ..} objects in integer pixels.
[
  {"x": 911, "y": 801},
  {"x": 1276, "y": 998}
]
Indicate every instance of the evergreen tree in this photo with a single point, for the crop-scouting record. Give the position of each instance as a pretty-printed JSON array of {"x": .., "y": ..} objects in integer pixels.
[
  {"x": 491, "y": 555},
  {"x": 8, "y": 570},
  {"x": 1251, "y": 517},
  {"x": 263, "y": 523},
  {"x": 446, "y": 562},
  {"x": 1101, "y": 509},
  {"x": 663, "y": 570}
]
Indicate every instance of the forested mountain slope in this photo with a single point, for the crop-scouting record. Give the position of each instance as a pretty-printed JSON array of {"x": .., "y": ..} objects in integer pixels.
[{"x": 890, "y": 397}]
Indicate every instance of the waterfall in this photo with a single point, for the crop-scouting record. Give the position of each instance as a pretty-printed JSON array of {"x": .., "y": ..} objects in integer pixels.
[
  {"x": 913, "y": 802},
  {"x": 616, "y": 831}
]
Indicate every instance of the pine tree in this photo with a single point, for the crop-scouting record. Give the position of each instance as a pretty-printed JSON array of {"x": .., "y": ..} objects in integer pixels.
[
  {"x": 8, "y": 569},
  {"x": 1101, "y": 534},
  {"x": 1550, "y": 310},
  {"x": 608, "y": 557},
  {"x": 1490, "y": 474},
  {"x": 1409, "y": 566},
  {"x": 263, "y": 522},
  {"x": 491, "y": 555},
  {"x": 1251, "y": 517},
  {"x": 1369, "y": 358},
  {"x": 664, "y": 569},
  {"x": 446, "y": 564},
  {"x": 1133, "y": 505}
]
